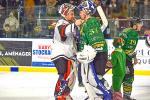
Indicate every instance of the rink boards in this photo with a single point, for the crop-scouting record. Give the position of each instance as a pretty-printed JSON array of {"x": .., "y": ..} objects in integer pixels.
[{"x": 34, "y": 55}]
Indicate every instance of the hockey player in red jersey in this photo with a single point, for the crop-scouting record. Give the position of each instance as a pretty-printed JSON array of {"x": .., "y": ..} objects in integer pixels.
[{"x": 64, "y": 44}]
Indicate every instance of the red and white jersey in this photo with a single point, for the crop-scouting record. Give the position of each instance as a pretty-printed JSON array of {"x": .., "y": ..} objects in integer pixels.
[{"x": 64, "y": 42}]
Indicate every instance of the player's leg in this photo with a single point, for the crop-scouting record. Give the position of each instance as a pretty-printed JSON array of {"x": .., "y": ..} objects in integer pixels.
[
  {"x": 100, "y": 61},
  {"x": 89, "y": 82},
  {"x": 128, "y": 81},
  {"x": 100, "y": 65},
  {"x": 61, "y": 88},
  {"x": 116, "y": 86}
]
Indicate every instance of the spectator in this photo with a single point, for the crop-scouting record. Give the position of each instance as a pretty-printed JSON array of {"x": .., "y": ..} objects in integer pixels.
[
  {"x": 132, "y": 8},
  {"x": 11, "y": 26},
  {"x": 51, "y": 27},
  {"x": 100, "y": 3},
  {"x": 40, "y": 7},
  {"x": 2, "y": 16},
  {"x": 2, "y": 4},
  {"x": 139, "y": 9},
  {"x": 115, "y": 8},
  {"x": 12, "y": 4},
  {"x": 75, "y": 2},
  {"x": 51, "y": 7},
  {"x": 63, "y": 1},
  {"x": 29, "y": 26},
  {"x": 146, "y": 13},
  {"x": 29, "y": 17},
  {"x": 29, "y": 8}
]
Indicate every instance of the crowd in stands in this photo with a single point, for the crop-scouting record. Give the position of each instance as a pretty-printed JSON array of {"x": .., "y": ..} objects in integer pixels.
[{"x": 36, "y": 18}]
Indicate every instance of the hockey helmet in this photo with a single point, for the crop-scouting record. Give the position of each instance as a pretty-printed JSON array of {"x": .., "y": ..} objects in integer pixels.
[
  {"x": 135, "y": 20},
  {"x": 65, "y": 9},
  {"x": 88, "y": 6},
  {"x": 118, "y": 42}
]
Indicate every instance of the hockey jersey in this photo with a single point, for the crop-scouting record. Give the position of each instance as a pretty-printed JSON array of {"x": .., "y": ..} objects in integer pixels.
[
  {"x": 118, "y": 61},
  {"x": 92, "y": 35},
  {"x": 64, "y": 42},
  {"x": 130, "y": 37}
]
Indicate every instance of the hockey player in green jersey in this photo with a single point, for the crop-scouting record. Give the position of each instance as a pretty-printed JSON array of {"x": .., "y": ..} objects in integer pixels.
[
  {"x": 118, "y": 58},
  {"x": 130, "y": 36},
  {"x": 92, "y": 34}
]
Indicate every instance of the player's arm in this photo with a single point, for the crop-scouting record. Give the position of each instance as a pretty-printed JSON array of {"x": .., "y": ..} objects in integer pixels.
[
  {"x": 65, "y": 30},
  {"x": 113, "y": 59}
]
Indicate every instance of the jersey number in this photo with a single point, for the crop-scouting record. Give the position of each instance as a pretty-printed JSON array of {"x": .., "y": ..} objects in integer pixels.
[{"x": 133, "y": 42}]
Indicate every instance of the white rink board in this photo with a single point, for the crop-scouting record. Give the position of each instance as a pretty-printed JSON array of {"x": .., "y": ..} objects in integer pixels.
[
  {"x": 143, "y": 51},
  {"x": 143, "y": 54}
]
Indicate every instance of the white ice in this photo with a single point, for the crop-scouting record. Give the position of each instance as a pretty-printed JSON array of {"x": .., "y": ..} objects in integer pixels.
[{"x": 40, "y": 86}]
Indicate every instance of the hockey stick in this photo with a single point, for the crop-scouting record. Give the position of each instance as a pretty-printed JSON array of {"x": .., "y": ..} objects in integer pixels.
[
  {"x": 63, "y": 56},
  {"x": 103, "y": 18}
]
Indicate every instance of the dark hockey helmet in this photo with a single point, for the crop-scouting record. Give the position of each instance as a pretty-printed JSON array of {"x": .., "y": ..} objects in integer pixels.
[
  {"x": 118, "y": 42},
  {"x": 88, "y": 6},
  {"x": 135, "y": 20}
]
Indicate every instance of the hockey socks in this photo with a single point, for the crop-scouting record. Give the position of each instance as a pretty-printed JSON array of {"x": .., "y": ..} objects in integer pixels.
[
  {"x": 61, "y": 90},
  {"x": 127, "y": 87}
]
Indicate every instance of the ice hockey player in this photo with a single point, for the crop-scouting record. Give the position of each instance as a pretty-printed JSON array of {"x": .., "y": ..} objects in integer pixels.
[
  {"x": 130, "y": 36},
  {"x": 91, "y": 31},
  {"x": 64, "y": 34},
  {"x": 118, "y": 58}
]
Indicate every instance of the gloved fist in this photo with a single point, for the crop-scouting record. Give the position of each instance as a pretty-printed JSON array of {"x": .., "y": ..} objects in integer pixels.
[
  {"x": 135, "y": 61},
  {"x": 78, "y": 22},
  {"x": 109, "y": 64}
]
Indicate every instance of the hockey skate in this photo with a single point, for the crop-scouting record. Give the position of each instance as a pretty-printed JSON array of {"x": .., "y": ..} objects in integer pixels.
[{"x": 128, "y": 98}]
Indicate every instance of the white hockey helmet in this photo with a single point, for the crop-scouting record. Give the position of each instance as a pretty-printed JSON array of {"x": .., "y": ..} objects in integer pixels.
[{"x": 65, "y": 9}]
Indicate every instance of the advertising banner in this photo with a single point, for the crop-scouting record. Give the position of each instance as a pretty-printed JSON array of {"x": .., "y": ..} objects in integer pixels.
[
  {"x": 15, "y": 53},
  {"x": 37, "y": 53},
  {"x": 143, "y": 54},
  {"x": 41, "y": 53}
]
